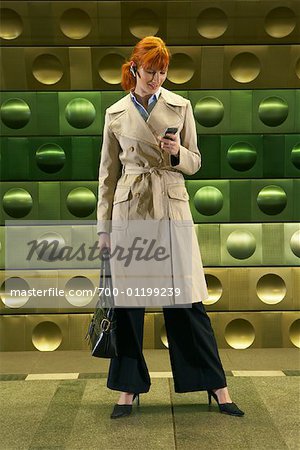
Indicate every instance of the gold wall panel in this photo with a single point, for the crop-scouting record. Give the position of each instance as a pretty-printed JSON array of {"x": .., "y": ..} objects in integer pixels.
[
  {"x": 28, "y": 282},
  {"x": 149, "y": 331},
  {"x": 106, "y": 67},
  {"x": 47, "y": 68},
  {"x": 227, "y": 67},
  {"x": 13, "y": 69},
  {"x": 239, "y": 330},
  {"x": 80, "y": 57},
  {"x": 15, "y": 23},
  {"x": 109, "y": 23},
  {"x": 47, "y": 332},
  {"x": 74, "y": 23},
  {"x": 122, "y": 23},
  {"x": 12, "y": 333},
  {"x": 80, "y": 288},
  {"x": 218, "y": 289},
  {"x": 271, "y": 289},
  {"x": 230, "y": 289},
  {"x": 142, "y": 19},
  {"x": 290, "y": 326},
  {"x": 78, "y": 326}
]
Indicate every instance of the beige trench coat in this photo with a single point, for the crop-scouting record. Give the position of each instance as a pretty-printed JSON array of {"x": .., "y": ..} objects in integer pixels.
[{"x": 142, "y": 184}]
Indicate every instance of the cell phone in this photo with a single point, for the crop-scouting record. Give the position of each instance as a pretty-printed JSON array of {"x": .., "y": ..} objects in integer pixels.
[{"x": 170, "y": 131}]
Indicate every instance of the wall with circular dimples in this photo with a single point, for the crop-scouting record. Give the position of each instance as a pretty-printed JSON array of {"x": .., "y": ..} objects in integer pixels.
[{"x": 239, "y": 65}]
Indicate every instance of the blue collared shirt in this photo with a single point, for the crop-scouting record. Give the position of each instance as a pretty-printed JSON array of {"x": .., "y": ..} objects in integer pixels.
[{"x": 151, "y": 103}]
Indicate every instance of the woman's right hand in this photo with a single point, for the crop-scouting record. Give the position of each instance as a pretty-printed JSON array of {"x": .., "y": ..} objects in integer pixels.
[{"x": 104, "y": 241}]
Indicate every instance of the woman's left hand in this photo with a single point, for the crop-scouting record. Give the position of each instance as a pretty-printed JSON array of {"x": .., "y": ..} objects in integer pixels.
[{"x": 171, "y": 145}]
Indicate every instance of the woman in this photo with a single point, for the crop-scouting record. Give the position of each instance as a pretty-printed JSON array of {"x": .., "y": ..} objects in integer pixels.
[{"x": 141, "y": 177}]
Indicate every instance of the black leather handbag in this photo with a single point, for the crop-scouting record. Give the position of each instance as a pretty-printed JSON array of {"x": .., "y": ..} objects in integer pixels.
[{"x": 102, "y": 331}]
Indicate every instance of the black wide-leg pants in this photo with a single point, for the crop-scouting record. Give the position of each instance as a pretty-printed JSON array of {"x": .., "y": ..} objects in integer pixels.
[{"x": 193, "y": 351}]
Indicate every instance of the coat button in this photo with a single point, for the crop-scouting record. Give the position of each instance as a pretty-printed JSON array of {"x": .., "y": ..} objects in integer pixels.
[
  {"x": 131, "y": 149},
  {"x": 137, "y": 194}
]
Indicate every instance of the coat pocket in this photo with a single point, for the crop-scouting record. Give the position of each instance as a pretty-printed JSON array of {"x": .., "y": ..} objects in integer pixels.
[
  {"x": 179, "y": 207},
  {"x": 120, "y": 209}
]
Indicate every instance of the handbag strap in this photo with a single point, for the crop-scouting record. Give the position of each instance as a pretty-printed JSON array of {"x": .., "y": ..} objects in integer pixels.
[{"x": 106, "y": 280}]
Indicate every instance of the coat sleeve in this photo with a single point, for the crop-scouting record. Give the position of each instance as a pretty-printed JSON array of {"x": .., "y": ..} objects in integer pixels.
[
  {"x": 189, "y": 159},
  {"x": 110, "y": 170}
]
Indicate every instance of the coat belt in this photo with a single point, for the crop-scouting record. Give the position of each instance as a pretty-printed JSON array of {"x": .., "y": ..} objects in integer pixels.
[{"x": 151, "y": 184}]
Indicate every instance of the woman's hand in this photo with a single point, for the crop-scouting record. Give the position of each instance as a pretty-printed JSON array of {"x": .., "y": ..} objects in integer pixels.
[
  {"x": 104, "y": 241},
  {"x": 171, "y": 145}
]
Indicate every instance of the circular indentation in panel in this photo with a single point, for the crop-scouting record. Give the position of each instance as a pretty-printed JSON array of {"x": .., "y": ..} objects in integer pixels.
[
  {"x": 241, "y": 244},
  {"x": 11, "y": 25},
  {"x": 239, "y": 333},
  {"x": 295, "y": 155},
  {"x": 245, "y": 67},
  {"x": 15, "y": 113},
  {"x": 271, "y": 289},
  {"x": 182, "y": 68},
  {"x": 50, "y": 247},
  {"x": 79, "y": 291},
  {"x": 109, "y": 68},
  {"x": 143, "y": 22},
  {"x": 10, "y": 297},
  {"x": 163, "y": 336},
  {"x": 81, "y": 202},
  {"x": 46, "y": 336},
  {"x": 214, "y": 288},
  {"x": 280, "y": 22},
  {"x": 272, "y": 199},
  {"x": 47, "y": 69},
  {"x": 297, "y": 68},
  {"x": 17, "y": 202},
  {"x": 50, "y": 158},
  {"x": 241, "y": 156},
  {"x": 209, "y": 111},
  {"x": 294, "y": 333},
  {"x": 273, "y": 111},
  {"x": 80, "y": 113},
  {"x": 75, "y": 23},
  {"x": 295, "y": 243},
  {"x": 212, "y": 23},
  {"x": 208, "y": 200}
]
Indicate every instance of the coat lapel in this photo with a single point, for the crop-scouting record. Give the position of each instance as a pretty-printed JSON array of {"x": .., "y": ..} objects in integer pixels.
[{"x": 127, "y": 120}]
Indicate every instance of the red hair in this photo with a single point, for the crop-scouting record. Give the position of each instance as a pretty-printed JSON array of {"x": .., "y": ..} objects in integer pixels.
[{"x": 149, "y": 52}]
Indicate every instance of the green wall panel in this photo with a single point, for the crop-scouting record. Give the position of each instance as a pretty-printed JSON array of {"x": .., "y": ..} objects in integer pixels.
[
  {"x": 15, "y": 158},
  {"x": 241, "y": 120},
  {"x": 211, "y": 111},
  {"x": 18, "y": 113},
  {"x": 19, "y": 201},
  {"x": 48, "y": 113},
  {"x": 209, "y": 147},
  {"x": 50, "y": 202},
  {"x": 80, "y": 113},
  {"x": 241, "y": 156},
  {"x": 272, "y": 200},
  {"x": 86, "y": 157},
  {"x": 78, "y": 200},
  {"x": 209, "y": 200},
  {"x": 292, "y": 155},
  {"x": 240, "y": 201},
  {"x": 274, "y": 111}
]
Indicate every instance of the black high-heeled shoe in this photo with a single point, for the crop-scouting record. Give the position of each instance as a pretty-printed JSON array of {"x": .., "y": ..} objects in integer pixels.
[
  {"x": 124, "y": 410},
  {"x": 226, "y": 408}
]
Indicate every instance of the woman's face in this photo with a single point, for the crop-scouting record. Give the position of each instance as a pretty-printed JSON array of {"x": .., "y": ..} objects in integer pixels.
[{"x": 150, "y": 80}]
